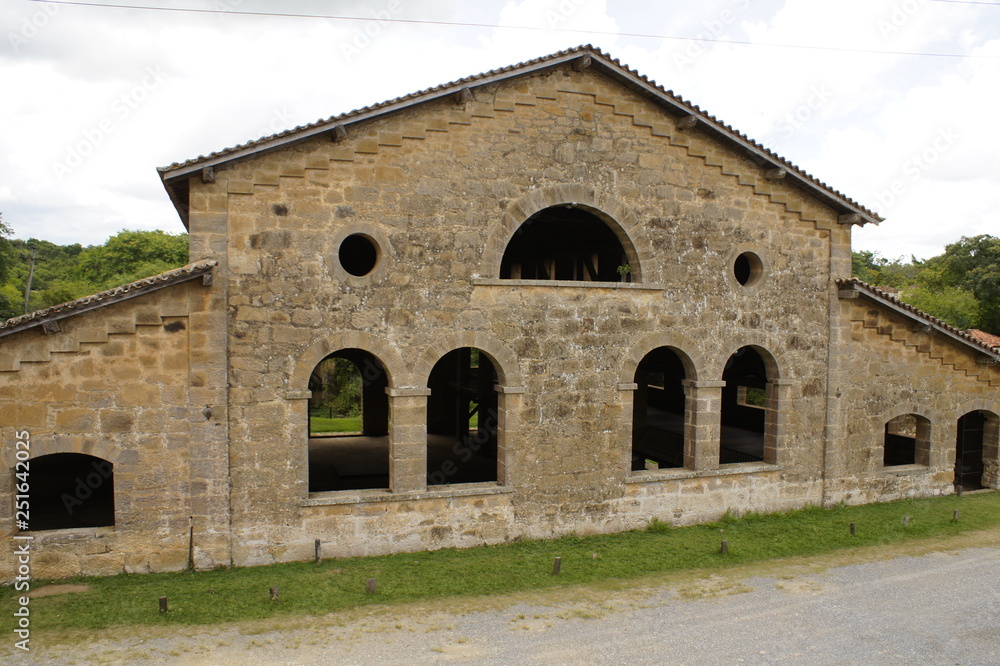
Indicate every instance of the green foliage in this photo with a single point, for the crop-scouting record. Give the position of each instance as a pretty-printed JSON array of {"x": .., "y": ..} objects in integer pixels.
[
  {"x": 960, "y": 286},
  {"x": 210, "y": 597},
  {"x": 6, "y": 252},
  {"x": 67, "y": 272}
]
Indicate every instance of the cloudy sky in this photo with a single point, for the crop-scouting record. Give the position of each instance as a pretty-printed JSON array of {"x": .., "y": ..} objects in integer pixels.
[{"x": 96, "y": 97}]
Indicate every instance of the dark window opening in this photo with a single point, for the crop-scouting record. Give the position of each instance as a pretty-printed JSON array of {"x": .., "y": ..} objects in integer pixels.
[
  {"x": 658, "y": 412},
  {"x": 907, "y": 441},
  {"x": 462, "y": 419},
  {"x": 348, "y": 423},
  {"x": 69, "y": 490},
  {"x": 747, "y": 268},
  {"x": 743, "y": 423},
  {"x": 969, "y": 451},
  {"x": 564, "y": 243},
  {"x": 358, "y": 254}
]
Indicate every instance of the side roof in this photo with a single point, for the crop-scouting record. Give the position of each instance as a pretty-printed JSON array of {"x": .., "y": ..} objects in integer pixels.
[
  {"x": 175, "y": 176},
  {"x": 49, "y": 316},
  {"x": 853, "y": 287}
]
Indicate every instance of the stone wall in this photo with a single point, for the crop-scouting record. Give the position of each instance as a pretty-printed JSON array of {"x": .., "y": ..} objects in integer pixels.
[
  {"x": 893, "y": 368},
  {"x": 441, "y": 188},
  {"x": 113, "y": 383}
]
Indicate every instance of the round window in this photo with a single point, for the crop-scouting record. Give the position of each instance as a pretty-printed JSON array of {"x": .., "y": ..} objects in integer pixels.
[
  {"x": 747, "y": 268},
  {"x": 359, "y": 254}
]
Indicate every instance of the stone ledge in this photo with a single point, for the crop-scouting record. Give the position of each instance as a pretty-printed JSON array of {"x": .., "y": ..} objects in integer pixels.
[
  {"x": 571, "y": 284},
  {"x": 680, "y": 474},
  {"x": 434, "y": 492},
  {"x": 68, "y": 535},
  {"x": 906, "y": 470}
]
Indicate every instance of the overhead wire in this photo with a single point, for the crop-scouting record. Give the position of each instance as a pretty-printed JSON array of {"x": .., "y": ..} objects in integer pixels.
[{"x": 462, "y": 24}]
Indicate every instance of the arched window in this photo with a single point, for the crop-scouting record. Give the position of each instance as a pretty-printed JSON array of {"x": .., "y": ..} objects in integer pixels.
[
  {"x": 975, "y": 446},
  {"x": 749, "y": 405},
  {"x": 68, "y": 490},
  {"x": 565, "y": 243},
  {"x": 348, "y": 423},
  {"x": 462, "y": 419},
  {"x": 907, "y": 441},
  {"x": 658, "y": 411}
]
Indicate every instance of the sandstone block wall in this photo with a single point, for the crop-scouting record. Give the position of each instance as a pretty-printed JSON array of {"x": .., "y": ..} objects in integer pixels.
[{"x": 111, "y": 383}]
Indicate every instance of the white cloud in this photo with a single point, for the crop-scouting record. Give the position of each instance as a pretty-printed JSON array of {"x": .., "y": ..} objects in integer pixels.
[{"x": 854, "y": 120}]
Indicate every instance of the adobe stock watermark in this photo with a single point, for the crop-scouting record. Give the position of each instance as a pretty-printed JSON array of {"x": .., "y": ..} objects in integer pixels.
[
  {"x": 556, "y": 16},
  {"x": 86, "y": 485},
  {"x": 465, "y": 449},
  {"x": 280, "y": 120},
  {"x": 794, "y": 120},
  {"x": 714, "y": 29},
  {"x": 899, "y": 15},
  {"x": 914, "y": 168},
  {"x": 32, "y": 26},
  {"x": 363, "y": 37},
  {"x": 22, "y": 542},
  {"x": 122, "y": 107}
]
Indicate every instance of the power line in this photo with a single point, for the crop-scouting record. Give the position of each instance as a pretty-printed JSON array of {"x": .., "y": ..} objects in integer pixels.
[
  {"x": 459, "y": 24},
  {"x": 967, "y": 2}
]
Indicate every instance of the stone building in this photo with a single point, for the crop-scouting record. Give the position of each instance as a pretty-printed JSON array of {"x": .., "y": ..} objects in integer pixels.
[{"x": 575, "y": 300}]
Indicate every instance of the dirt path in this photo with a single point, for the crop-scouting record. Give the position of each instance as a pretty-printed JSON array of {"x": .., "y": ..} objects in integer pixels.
[{"x": 929, "y": 602}]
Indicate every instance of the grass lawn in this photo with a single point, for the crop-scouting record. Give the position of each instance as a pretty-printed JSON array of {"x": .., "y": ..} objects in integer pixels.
[
  {"x": 342, "y": 424},
  {"x": 308, "y": 588}
]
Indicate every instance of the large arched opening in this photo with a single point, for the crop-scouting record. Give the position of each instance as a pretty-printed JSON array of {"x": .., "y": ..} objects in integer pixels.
[
  {"x": 749, "y": 409},
  {"x": 658, "y": 407},
  {"x": 566, "y": 242},
  {"x": 462, "y": 419},
  {"x": 348, "y": 423}
]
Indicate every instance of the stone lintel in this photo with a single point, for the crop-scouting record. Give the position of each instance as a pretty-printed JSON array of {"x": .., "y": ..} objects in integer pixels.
[
  {"x": 693, "y": 383},
  {"x": 508, "y": 389},
  {"x": 303, "y": 394}
]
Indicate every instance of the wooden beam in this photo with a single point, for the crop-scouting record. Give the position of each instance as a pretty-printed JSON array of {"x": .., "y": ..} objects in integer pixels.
[
  {"x": 462, "y": 96},
  {"x": 847, "y": 294},
  {"x": 339, "y": 133},
  {"x": 51, "y": 327},
  {"x": 849, "y": 218},
  {"x": 775, "y": 174},
  {"x": 583, "y": 62},
  {"x": 208, "y": 175},
  {"x": 687, "y": 122}
]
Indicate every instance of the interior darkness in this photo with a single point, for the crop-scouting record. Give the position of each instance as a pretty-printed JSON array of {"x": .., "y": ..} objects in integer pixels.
[
  {"x": 563, "y": 243},
  {"x": 462, "y": 419},
  {"x": 899, "y": 449},
  {"x": 658, "y": 411},
  {"x": 358, "y": 255},
  {"x": 969, "y": 451},
  {"x": 68, "y": 490},
  {"x": 742, "y": 436},
  {"x": 350, "y": 461},
  {"x": 741, "y": 268}
]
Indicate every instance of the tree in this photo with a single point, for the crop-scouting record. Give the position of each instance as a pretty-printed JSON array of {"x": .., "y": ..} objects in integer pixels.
[
  {"x": 972, "y": 264},
  {"x": 132, "y": 255}
]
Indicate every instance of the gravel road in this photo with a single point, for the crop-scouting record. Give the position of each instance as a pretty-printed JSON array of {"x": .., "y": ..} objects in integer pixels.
[{"x": 935, "y": 608}]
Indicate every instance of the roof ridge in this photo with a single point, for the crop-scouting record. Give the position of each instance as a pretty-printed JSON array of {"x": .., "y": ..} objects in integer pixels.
[{"x": 719, "y": 125}]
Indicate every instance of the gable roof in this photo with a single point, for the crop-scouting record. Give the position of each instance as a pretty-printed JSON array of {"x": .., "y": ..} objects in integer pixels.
[
  {"x": 49, "y": 316},
  {"x": 174, "y": 176},
  {"x": 854, "y": 286}
]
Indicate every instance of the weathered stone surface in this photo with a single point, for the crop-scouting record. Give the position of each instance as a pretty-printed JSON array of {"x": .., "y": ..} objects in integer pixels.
[{"x": 207, "y": 413}]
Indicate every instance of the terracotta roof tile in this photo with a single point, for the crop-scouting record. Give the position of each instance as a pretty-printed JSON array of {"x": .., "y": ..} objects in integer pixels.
[
  {"x": 965, "y": 336},
  {"x": 984, "y": 337}
]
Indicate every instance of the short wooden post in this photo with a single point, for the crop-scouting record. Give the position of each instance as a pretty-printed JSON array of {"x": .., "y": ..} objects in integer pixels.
[
  {"x": 906, "y": 521},
  {"x": 557, "y": 566},
  {"x": 960, "y": 489},
  {"x": 274, "y": 594},
  {"x": 954, "y": 516},
  {"x": 319, "y": 545},
  {"x": 854, "y": 529},
  {"x": 163, "y": 604},
  {"x": 725, "y": 547},
  {"x": 371, "y": 586}
]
